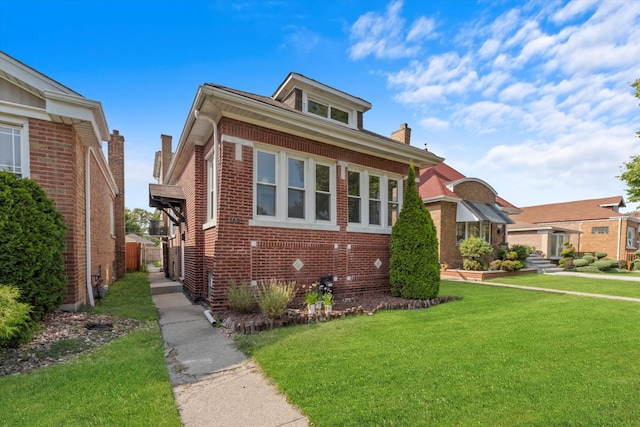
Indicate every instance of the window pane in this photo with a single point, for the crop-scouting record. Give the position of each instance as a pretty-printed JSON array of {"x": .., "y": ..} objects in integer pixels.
[
  {"x": 354, "y": 183},
  {"x": 316, "y": 108},
  {"x": 6, "y": 149},
  {"x": 374, "y": 187},
  {"x": 339, "y": 115},
  {"x": 323, "y": 207},
  {"x": 296, "y": 173},
  {"x": 461, "y": 231},
  {"x": 266, "y": 200},
  {"x": 266, "y": 168},
  {"x": 474, "y": 229},
  {"x": 374, "y": 212},
  {"x": 392, "y": 191},
  {"x": 296, "y": 204},
  {"x": 323, "y": 176},
  {"x": 354, "y": 209}
]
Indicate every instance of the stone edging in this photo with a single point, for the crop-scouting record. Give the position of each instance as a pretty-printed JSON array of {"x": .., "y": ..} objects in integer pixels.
[{"x": 301, "y": 317}]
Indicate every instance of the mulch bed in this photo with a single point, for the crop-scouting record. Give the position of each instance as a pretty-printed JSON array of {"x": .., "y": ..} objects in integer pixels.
[
  {"x": 64, "y": 335},
  {"x": 233, "y": 322}
]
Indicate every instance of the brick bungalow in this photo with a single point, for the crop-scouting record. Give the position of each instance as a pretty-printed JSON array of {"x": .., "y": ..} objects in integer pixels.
[
  {"x": 462, "y": 207},
  {"x": 54, "y": 136},
  {"x": 290, "y": 186},
  {"x": 593, "y": 225}
]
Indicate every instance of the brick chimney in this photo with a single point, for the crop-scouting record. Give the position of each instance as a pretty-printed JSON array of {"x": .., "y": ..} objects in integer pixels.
[
  {"x": 403, "y": 134},
  {"x": 166, "y": 156},
  {"x": 116, "y": 164}
]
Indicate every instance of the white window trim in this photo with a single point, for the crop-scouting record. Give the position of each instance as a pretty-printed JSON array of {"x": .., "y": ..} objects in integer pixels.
[
  {"x": 23, "y": 126},
  {"x": 212, "y": 189},
  {"x": 353, "y": 114},
  {"x": 631, "y": 232},
  {"x": 363, "y": 226},
  {"x": 281, "y": 218}
]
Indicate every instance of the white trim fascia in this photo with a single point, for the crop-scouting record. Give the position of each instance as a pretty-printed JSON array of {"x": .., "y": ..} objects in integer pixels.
[
  {"x": 29, "y": 76},
  {"x": 22, "y": 110},
  {"x": 295, "y": 225},
  {"x": 77, "y": 107},
  {"x": 452, "y": 184},
  {"x": 435, "y": 199}
]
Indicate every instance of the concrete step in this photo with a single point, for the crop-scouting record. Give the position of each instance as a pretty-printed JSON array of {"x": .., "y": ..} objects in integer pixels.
[{"x": 165, "y": 287}]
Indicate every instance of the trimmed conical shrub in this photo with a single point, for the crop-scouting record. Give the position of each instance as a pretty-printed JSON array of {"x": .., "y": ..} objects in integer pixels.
[{"x": 414, "y": 267}]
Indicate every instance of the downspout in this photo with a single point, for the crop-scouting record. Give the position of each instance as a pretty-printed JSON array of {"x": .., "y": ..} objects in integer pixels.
[
  {"x": 87, "y": 222},
  {"x": 619, "y": 237}
]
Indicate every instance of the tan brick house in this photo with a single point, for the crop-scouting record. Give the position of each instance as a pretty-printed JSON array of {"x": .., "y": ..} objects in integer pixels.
[
  {"x": 290, "y": 186},
  {"x": 462, "y": 207},
  {"x": 54, "y": 136},
  {"x": 593, "y": 225}
]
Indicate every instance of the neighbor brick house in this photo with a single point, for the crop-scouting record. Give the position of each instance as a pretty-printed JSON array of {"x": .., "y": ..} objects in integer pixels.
[
  {"x": 594, "y": 225},
  {"x": 54, "y": 136},
  {"x": 290, "y": 186},
  {"x": 463, "y": 207}
]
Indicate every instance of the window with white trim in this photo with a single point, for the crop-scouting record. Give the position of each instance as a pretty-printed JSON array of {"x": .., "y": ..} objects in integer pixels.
[
  {"x": 631, "y": 237},
  {"x": 373, "y": 200},
  {"x": 11, "y": 150},
  {"x": 295, "y": 190},
  {"x": 481, "y": 229},
  {"x": 212, "y": 187}
]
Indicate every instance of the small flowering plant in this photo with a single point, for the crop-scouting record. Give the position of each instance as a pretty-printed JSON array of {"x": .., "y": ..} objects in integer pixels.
[
  {"x": 327, "y": 299},
  {"x": 311, "y": 295}
]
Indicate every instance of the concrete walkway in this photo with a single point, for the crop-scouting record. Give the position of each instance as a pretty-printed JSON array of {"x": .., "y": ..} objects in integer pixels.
[
  {"x": 213, "y": 383},
  {"x": 580, "y": 294}
]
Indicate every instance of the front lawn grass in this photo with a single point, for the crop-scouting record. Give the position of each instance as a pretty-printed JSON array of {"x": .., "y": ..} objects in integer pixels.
[
  {"x": 499, "y": 357},
  {"x": 593, "y": 285},
  {"x": 123, "y": 383}
]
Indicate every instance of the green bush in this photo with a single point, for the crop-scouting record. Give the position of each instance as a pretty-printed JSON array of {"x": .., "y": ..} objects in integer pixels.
[
  {"x": 474, "y": 249},
  {"x": 601, "y": 255},
  {"x": 588, "y": 269},
  {"x": 414, "y": 270},
  {"x": 569, "y": 251},
  {"x": 15, "y": 322},
  {"x": 511, "y": 256},
  {"x": 605, "y": 264},
  {"x": 589, "y": 258},
  {"x": 472, "y": 265},
  {"x": 580, "y": 262},
  {"x": 636, "y": 264},
  {"x": 523, "y": 251},
  {"x": 514, "y": 265},
  {"x": 495, "y": 265},
  {"x": 274, "y": 297},
  {"x": 587, "y": 254},
  {"x": 240, "y": 297},
  {"x": 32, "y": 243}
]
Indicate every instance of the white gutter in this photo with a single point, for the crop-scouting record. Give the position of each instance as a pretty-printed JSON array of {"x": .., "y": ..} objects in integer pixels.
[
  {"x": 87, "y": 222},
  {"x": 619, "y": 236}
]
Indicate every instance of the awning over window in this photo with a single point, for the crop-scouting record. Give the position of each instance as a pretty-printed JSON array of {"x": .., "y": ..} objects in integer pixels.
[
  {"x": 165, "y": 197},
  {"x": 468, "y": 211}
]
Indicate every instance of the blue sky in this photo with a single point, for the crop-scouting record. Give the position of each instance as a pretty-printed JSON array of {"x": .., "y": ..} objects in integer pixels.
[{"x": 532, "y": 97}]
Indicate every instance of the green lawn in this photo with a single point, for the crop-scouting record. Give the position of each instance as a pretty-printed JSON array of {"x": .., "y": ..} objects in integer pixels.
[
  {"x": 499, "y": 357},
  {"x": 592, "y": 285},
  {"x": 123, "y": 383}
]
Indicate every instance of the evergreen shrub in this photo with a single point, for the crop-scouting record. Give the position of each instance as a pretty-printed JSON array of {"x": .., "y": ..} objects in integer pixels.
[
  {"x": 32, "y": 243},
  {"x": 15, "y": 322},
  {"x": 414, "y": 269},
  {"x": 580, "y": 262},
  {"x": 601, "y": 255},
  {"x": 589, "y": 258}
]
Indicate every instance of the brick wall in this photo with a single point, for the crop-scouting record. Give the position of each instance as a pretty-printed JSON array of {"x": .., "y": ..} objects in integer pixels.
[
  {"x": 233, "y": 250},
  {"x": 103, "y": 243},
  {"x": 57, "y": 165}
]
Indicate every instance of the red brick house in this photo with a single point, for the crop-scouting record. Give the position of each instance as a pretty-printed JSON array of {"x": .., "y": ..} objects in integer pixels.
[
  {"x": 463, "y": 207},
  {"x": 594, "y": 225},
  {"x": 290, "y": 186},
  {"x": 54, "y": 136}
]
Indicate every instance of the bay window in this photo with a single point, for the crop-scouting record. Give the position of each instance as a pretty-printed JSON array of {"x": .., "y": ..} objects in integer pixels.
[
  {"x": 481, "y": 229},
  {"x": 378, "y": 194}
]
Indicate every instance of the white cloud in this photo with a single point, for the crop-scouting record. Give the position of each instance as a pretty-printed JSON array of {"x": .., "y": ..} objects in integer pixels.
[
  {"x": 516, "y": 92},
  {"x": 573, "y": 9},
  {"x": 384, "y": 35},
  {"x": 433, "y": 123}
]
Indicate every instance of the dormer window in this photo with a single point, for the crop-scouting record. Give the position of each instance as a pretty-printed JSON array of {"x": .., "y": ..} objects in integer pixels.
[{"x": 327, "y": 111}]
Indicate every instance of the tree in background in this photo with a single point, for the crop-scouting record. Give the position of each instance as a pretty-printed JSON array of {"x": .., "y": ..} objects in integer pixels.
[
  {"x": 137, "y": 220},
  {"x": 631, "y": 174},
  {"x": 32, "y": 243},
  {"x": 414, "y": 267}
]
